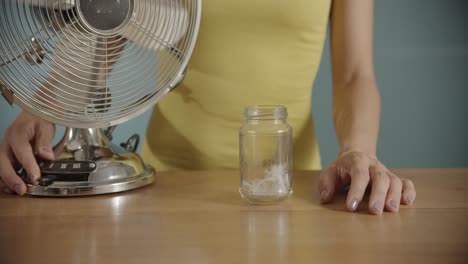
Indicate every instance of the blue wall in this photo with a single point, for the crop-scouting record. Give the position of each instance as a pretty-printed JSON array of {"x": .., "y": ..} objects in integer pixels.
[{"x": 421, "y": 57}]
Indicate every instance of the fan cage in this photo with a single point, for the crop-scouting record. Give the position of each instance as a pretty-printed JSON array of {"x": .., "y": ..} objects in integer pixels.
[{"x": 64, "y": 70}]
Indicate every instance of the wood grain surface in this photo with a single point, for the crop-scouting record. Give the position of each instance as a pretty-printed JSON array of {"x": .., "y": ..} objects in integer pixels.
[{"x": 199, "y": 217}]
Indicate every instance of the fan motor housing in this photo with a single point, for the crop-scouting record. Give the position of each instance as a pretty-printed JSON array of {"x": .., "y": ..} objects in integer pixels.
[{"x": 105, "y": 16}]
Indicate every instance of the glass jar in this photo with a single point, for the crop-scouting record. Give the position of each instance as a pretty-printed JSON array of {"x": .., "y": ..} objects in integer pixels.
[{"x": 265, "y": 152}]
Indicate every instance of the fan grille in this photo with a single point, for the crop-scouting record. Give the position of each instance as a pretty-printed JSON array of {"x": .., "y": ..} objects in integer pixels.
[{"x": 64, "y": 65}]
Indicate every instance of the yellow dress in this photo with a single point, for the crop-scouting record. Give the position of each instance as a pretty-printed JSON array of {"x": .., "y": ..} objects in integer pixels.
[{"x": 247, "y": 52}]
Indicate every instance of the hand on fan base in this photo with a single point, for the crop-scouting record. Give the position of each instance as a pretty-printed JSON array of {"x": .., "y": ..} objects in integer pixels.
[{"x": 25, "y": 139}]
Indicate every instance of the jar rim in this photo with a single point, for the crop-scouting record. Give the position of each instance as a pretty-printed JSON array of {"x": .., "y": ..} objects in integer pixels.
[{"x": 265, "y": 111}]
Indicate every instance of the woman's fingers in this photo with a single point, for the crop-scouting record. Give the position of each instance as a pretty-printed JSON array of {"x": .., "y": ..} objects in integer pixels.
[
  {"x": 361, "y": 171},
  {"x": 409, "y": 192},
  {"x": 27, "y": 136},
  {"x": 327, "y": 184},
  {"x": 8, "y": 173},
  {"x": 359, "y": 180},
  {"x": 380, "y": 187},
  {"x": 392, "y": 203},
  {"x": 43, "y": 141},
  {"x": 23, "y": 152}
]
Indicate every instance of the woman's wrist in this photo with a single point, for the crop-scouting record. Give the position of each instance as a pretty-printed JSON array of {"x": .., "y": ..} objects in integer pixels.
[{"x": 357, "y": 149}]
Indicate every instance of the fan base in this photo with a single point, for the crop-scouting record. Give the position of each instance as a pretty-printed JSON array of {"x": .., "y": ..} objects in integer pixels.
[
  {"x": 86, "y": 188},
  {"x": 88, "y": 164}
]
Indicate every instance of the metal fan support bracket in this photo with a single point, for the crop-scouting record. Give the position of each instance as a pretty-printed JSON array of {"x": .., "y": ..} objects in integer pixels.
[{"x": 7, "y": 94}]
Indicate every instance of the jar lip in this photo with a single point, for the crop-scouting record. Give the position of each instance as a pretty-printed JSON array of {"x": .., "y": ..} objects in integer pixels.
[{"x": 259, "y": 111}]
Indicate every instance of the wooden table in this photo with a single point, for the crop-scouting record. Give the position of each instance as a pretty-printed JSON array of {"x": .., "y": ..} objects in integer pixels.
[{"x": 199, "y": 217}]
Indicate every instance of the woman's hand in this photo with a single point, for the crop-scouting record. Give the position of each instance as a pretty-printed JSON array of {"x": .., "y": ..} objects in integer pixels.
[
  {"x": 360, "y": 170},
  {"x": 26, "y": 137}
]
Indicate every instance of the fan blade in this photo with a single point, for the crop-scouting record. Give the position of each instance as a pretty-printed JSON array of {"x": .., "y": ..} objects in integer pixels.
[
  {"x": 157, "y": 24},
  {"x": 79, "y": 69}
]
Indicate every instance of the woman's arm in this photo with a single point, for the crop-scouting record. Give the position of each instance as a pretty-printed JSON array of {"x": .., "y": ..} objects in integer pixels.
[
  {"x": 356, "y": 99},
  {"x": 356, "y": 113}
]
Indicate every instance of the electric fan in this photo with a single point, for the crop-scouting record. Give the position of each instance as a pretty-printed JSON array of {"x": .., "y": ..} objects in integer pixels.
[{"x": 90, "y": 65}]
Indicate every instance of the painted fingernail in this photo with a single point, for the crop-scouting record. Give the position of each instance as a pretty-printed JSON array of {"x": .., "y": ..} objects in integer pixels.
[
  {"x": 18, "y": 189},
  {"x": 46, "y": 149},
  {"x": 378, "y": 206},
  {"x": 32, "y": 177},
  {"x": 323, "y": 195},
  {"x": 354, "y": 204},
  {"x": 394, "y": 203},
  {"x": 409, "y": 200}
]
